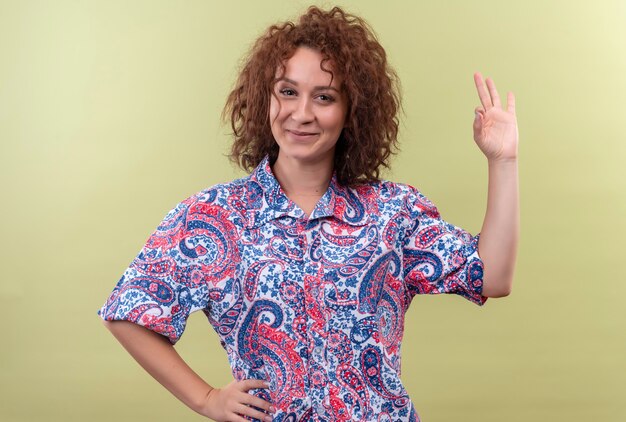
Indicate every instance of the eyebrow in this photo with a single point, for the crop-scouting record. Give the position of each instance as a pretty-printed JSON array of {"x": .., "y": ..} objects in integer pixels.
[{"x": 316, "y": 88}]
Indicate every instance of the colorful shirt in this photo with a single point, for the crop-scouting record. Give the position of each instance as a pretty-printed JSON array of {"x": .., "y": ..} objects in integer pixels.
[{"x": 313, "y": 305}]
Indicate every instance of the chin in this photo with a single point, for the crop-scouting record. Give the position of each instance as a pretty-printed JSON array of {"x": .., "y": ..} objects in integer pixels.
[{"x": 303, "y": 154}]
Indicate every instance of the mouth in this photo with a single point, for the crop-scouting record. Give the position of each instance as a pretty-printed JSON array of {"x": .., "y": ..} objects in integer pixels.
[
  {"x": 299, "y": 133},
  {"x": 301, "y": 136}
]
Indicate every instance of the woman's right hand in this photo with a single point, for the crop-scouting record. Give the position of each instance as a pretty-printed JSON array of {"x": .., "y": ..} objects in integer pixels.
[{"x": 233, "y": 402}]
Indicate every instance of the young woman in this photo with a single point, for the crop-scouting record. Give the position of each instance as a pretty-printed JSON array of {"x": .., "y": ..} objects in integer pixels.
[{"x": 305, "y": 268}]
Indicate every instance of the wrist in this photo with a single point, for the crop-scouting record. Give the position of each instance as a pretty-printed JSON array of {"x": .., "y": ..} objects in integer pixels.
[
  {"x": 201, "y": 405},
  {"x": 502, "y": 162}
]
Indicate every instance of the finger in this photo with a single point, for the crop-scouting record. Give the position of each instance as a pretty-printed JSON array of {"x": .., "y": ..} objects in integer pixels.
[
  {"x": 510, "y": 102},
  {"x": 479, "y": 115},
  {"x": 249, "y": 384},
  {"x": 493, "y": 92},
  {"x": 485, "y": 99},
  {"x": 252, "y": 412},
  {"x": 259, "y": 402},
  {"x": 250, "y": 400},
  {"x": 236, "y": 418}
]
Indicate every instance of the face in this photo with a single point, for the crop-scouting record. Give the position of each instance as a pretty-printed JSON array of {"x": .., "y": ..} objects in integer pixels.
[{"x": 307, "y": 110}]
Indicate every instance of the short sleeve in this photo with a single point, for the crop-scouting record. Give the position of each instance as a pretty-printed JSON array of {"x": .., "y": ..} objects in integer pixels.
[
  {"x": 160, "y": 289},
  {"x": 439, "y": 257}
]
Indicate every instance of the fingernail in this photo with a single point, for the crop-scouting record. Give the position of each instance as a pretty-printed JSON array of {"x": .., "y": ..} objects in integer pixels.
[
  {"x": 267, "y": 384},
  {"x": 272, "y": 409},
  {"x": 267, "y": 419}
]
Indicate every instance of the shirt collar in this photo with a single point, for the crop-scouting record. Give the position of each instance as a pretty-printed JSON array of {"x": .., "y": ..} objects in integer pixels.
[{"x": 267, "y": 201}]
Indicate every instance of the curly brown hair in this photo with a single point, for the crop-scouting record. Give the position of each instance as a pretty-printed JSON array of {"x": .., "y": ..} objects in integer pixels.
[{"x": 369, "y": 137}]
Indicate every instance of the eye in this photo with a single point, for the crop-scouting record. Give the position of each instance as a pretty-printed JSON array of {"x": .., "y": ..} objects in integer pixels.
[
  {"x": 326, "y": 98},
  {"x": 288, "y": 92}
]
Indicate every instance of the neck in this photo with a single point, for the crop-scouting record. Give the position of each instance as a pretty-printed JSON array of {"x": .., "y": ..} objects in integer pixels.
[{"x": 302, "y": 179}]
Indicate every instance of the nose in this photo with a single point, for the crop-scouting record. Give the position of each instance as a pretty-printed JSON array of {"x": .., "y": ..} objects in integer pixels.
[{"x": 303, "y": 112}]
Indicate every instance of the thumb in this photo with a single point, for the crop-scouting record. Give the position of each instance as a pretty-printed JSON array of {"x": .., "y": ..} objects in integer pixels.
[
  {"x": 479, "y": 113},
  {"x": 478, "y": 118}
]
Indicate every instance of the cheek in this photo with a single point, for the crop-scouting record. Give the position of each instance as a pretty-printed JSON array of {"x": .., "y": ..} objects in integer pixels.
[
  {"x": 277, "y": 112},
  {"x": 273, "y": 110},
  {"x": 334, "y": 119}
]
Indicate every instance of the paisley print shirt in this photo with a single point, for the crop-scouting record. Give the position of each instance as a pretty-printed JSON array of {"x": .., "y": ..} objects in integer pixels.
[{"x": 313, "y": 305}]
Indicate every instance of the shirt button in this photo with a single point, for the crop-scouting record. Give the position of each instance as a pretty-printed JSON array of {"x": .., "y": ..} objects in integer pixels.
[
  {"x": 318, "y": 350},
  {"x": 320, "y": 409}
]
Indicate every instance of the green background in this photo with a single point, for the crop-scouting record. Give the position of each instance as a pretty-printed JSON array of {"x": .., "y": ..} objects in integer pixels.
[{"x": 109, "y": 116}]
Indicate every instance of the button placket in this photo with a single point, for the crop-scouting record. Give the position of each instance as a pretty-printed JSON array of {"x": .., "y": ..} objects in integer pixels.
[{"x": 316, "y": 322}]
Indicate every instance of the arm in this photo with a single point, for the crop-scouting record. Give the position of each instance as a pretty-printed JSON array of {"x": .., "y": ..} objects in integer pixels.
[
  {"x": 496, "y": 134},
  {"x": 160, "y": 359},
  {"x": 497, "y": 245}
]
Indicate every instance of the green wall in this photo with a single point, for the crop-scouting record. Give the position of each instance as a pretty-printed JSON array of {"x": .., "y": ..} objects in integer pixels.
[{"x": 109, "y": 115}]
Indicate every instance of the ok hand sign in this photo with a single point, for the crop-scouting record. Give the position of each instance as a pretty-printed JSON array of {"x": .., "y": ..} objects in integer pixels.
[{"x": 495, "y": 129}]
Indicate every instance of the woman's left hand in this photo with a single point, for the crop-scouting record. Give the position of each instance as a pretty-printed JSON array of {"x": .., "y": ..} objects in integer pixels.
[{"x": 495, "y": 129}]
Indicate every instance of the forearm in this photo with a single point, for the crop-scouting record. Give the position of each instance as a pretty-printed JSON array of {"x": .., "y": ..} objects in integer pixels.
[
  {"x": 499, "y": 235},
  {"x": 161, "y": 360}
]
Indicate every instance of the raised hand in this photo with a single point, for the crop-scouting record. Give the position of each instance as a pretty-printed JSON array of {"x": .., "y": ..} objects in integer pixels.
[
  {"x": 233, "y": 403},
  {"x": 495, "y": 129}
]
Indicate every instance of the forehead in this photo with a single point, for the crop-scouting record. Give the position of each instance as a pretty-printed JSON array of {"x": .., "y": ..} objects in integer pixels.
[{"x": 305, "y": 66}]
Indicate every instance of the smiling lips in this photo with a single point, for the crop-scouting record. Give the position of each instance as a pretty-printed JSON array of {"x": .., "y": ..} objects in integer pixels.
[{"x": 301, "y": 135}]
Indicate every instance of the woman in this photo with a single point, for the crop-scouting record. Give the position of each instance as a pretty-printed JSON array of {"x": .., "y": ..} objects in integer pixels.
[{"x": 306, "y": 267}]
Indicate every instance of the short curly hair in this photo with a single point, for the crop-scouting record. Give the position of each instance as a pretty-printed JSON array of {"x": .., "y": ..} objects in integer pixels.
[{"x": 370, "y": 134}]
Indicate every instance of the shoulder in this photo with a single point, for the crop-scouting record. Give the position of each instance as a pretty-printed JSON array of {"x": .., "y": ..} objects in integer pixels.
[
  {"x": 224, "y": 201},
  {"x": 394, "y": 197},
  {"x": 220, "y": 194}
]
